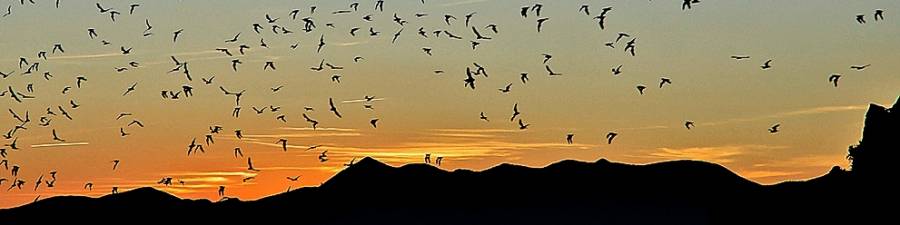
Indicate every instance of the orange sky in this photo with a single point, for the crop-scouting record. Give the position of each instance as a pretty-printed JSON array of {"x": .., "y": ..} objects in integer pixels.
[{"x": 732, "y": 103}]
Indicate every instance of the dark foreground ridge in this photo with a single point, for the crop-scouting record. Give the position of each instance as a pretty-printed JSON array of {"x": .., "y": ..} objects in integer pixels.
[{"x": 567, "y": 192}]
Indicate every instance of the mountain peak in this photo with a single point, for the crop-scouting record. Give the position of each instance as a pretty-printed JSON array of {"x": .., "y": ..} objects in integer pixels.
[
  {"x": 368, "y": 162},
  {"x": 145, "y": 193}
]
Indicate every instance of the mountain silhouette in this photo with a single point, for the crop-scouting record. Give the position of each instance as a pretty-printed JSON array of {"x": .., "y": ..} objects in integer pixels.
[{"x": 566, "y": 192}]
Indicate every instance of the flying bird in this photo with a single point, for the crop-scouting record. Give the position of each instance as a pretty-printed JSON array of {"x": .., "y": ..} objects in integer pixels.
[
  {"x": 774, "y": 128},
  {"x": 516, "y": 112},
  {"x": 859, "y": 67},
  {"x": 688, "y": 124},
  {"x": 56, "y": 137},
  {"x": 283, "y": 144},
  {"x": 664, "y": 81},
  {"x": 523, "y": 125},
  {"x": 767, "y": 65},
  {"x": 834, "y": 79},
  {"x": 332, "y": 108},
  {"x": 610, "y": 136},
  {"x": 641, "y": 88},
  {"x": 506, "y": 89},
  {"x": 250, "y": 165},
  {"x": 540, "y": 23}
]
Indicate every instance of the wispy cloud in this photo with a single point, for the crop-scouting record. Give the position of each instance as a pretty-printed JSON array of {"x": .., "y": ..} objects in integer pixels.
[
  {"x": 458, "y": 151},
  {"x": 211, "y": 173},
  {"x": 48, "y": 145},
  {"x": 469, "y": 133},
  {"x": 363, "y": 100},
  {"x": 304, "y": 135},
  {"x": 465, "y": 135},
  {"x": 800, "y": 112},
  {"x": 718, "y": 154},
  {"x": 91, "y": 56},
  {"x": 319, "y": 129},
  {"x": 652, "y": 127},
  {"x": 457, "y": 130},
  {"x": 345, "y": 44}
]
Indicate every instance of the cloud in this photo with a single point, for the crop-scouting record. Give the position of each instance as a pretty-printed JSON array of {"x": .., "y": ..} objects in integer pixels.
[
  {"x": 344, "y": 44},
  {"x": 212, "y": 173},
  {"x": 452, "y": 130},
  {"x": 718, "y": 154},
  {"x": 800, "y": 112},
  {"x": 821, "y": 110},
  {"x": 654, "y": 127},
  {"x": 363, "y": 100},
  {"x": 91, "y": 56},
  {"x": 465, "y": 135},
  {"x": 306, "y": 135},
  {"x": 319, "y": 129},
  {"x": 48, "y": 145},
  {"x": 459, "y": 151}
]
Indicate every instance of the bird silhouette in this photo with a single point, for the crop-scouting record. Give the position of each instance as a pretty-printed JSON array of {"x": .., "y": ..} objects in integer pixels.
[
  {"x": 311, "y": 121},
  {"x": 688, "y": 124},
  {"x": 629, "y": 46},
  {"x": 833, "y": 78},
  {"x": 332, "y": 108},
  {"x": 516, "y": 112},
  {"x": 56, "y": 137},
  {"x": 860, "y": 67},
  {"x": 506, "y": 89},
  {"x": 774, "y": 128},
  {"x": 540, "y": 23},
  {"x": 250, "y": 165},
  {"x": 323, "y": 156},
  {"x": 350, "y": 163},
  {"x": 483, "y": 117},
  {"x": 176, "y": 34},
  {"x": 767, "y": 65},
  {"x": 641, "y": 88},
  {"x": 610, "y": 136},
  {"x": 283, "y": 144},
  {"x": 617, "y": 70},
  {"x": 523, "y": 125},
  {"x": 664, "y": 81},
  {"x": 585, "y": 8}
]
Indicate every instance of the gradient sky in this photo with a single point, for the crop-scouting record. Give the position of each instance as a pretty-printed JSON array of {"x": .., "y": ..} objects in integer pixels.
[{"x": 732, "y": 102}]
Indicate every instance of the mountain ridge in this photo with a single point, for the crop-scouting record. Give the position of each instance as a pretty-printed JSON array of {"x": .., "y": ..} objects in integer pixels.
[{"x": 564, "y": 192}]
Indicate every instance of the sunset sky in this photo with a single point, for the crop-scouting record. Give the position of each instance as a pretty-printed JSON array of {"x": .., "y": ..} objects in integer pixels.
[{"x": 732, "y": 103}]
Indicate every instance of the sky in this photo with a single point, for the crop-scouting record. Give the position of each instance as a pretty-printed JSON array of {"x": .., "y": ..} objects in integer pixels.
[{"x": 731, "y": 102}]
